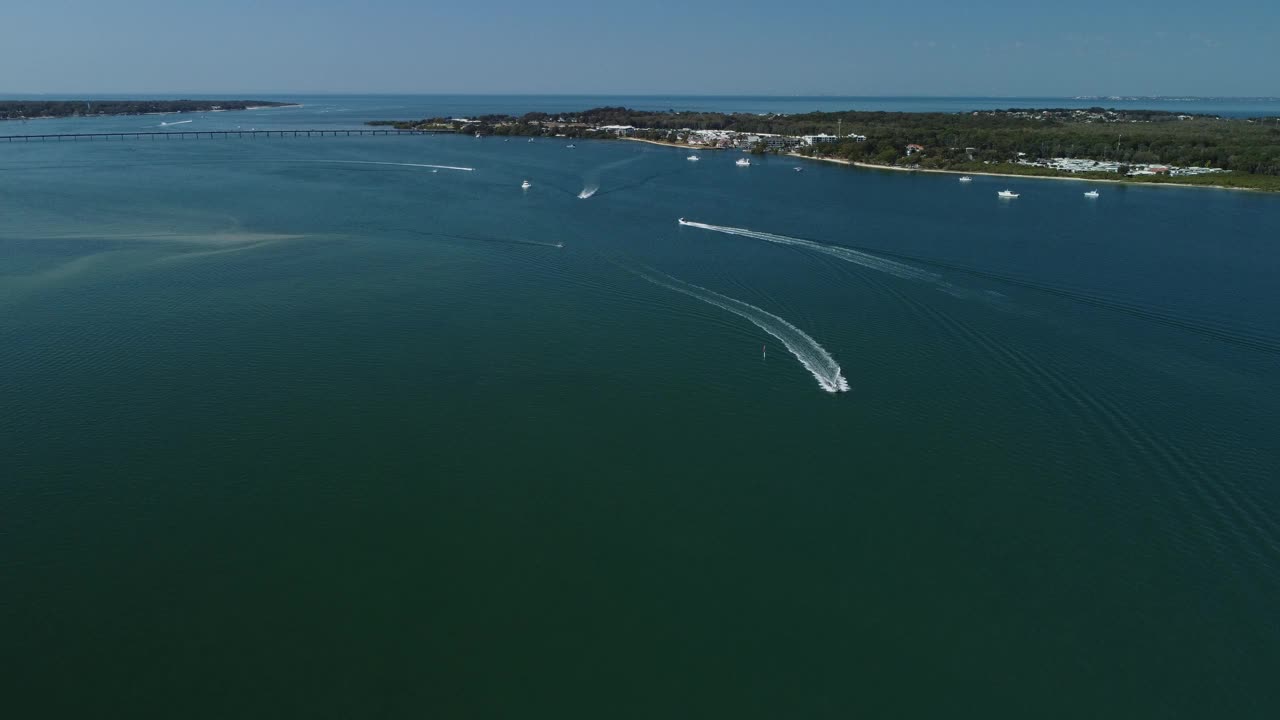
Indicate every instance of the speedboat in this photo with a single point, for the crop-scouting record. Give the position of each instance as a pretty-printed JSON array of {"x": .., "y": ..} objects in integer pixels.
[
  {"x": 1091, "y": 194},
  {"x": 1007, "y": 194},
  {"x": 966, "y": 178},
  {"x": 682, "y": 221},
  {"x": 571, "y": 146},
  {"x": 798, "y": 169},
  {"x": 477, "y": 135},
  {"x": 526, "y": 185},
  {"x": 693, "y": 158},
  {"x": 530, "y": 139},
  {"x": 743, "y": 162}
]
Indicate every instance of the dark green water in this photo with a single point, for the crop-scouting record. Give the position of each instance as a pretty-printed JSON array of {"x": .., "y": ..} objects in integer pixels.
[{"x": 290, "y": 437}]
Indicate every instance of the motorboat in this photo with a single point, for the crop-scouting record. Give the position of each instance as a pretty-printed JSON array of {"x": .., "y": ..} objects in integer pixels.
[
  {"x": 743, "y": 162},
  {"x": 526, "y": 185},
  {"x": 571, "y": 146},
  {"x": 798, "y": 169},
  {"x": 966, "y": 178},
  {"x": 1007, "y": 194},
  {"x": 1091, "y": 194},
  {"x": 693, "y": 158},
  {"x": 682, "y": 221}
]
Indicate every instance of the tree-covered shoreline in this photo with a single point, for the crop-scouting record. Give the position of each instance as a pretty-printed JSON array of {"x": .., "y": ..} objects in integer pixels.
[
  {"x": 31, "y": 109},
  {"x": 1241, "y": 152}
]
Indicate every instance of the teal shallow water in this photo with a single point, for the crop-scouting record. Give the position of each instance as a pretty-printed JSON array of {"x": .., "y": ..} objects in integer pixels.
[{"x": 285, "y": 433}]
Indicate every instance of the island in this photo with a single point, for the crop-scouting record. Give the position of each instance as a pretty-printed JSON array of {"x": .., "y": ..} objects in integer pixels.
[
  {"x": 1095, "y": 143},
  {"x": 35, "y": 109}
]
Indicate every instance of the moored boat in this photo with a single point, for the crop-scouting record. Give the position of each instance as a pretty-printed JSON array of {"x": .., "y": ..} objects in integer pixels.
[{"x": 1007, "y": 194}]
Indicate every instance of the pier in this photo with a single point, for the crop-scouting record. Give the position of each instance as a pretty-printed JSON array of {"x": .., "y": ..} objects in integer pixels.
[{"x": 207, "y": 134}]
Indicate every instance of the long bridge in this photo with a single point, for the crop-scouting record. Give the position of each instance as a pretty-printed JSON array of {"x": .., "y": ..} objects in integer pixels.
[{"x": 209, "y": 134}]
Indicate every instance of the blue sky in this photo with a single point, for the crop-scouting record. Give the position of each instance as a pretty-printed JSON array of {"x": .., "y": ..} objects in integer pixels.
[{"x": 927, "y": 47}]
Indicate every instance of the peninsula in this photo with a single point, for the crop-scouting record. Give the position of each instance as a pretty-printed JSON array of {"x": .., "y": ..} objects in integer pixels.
[
  {"x": 1094, "y": 143},
  {"x": 33, "y": 109}
]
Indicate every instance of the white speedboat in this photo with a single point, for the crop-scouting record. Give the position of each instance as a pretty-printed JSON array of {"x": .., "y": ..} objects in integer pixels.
[
  {"x": 693, "y": 158},
  {"x": 526, "y": 185},
  {"x": 1091, "y": 194},
  {"x": 530, "y": 139},
  {"x": 682, "y": 221},
  {"x": 571, "y": 146},
  {"x": 1007, "y": 194},
  {"x": 798, "y": 169},
  {"x": 966, "y": 178},
  {"x": 743, "y": 162}
]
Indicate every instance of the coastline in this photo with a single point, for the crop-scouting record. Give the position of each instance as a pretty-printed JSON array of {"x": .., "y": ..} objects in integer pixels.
[
  {"x": 873, "y": 166},
  {"x": 897, "y": 169}
]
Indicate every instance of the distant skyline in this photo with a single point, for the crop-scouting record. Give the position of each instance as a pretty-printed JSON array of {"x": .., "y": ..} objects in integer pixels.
[{"x": 929, "y": 48}]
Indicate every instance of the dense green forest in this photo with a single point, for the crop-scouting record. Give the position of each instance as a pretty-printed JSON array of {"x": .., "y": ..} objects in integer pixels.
[
  {"x": 951, "y": 140},
  {"x": 20, "y": 109}
]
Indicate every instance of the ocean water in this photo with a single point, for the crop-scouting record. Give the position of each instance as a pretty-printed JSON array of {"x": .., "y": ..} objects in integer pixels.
[{"x": 335, "y": 428}]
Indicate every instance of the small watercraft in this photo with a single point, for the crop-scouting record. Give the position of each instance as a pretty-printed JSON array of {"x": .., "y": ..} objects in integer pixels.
[
  {"x": 966, "y": 178},
  {"x": 526, "y": 185},
  {"x": 530, "y": 139},
  {"x": 1091, "y": 194},
  {"x": 693, "y": 158},
  {"x": 571, "y": 146},
  {"x": 743, "y": 162},
  {"x": 682, "y": 221},
  {"x": 1007, "y": 194},
  {"x": 798, "y": 169}
]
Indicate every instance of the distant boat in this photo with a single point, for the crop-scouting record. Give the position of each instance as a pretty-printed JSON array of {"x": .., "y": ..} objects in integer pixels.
[
  {"x": 1091, "y": 194},
  {"x": 682, "y": 221},
  {"x": 571, "y": 146},
  {"x": 1007, "y": 194},
  {"x": 693, "y": 158},
  {"x": 526, "y": 185},
  {"x": 743, "y": 162},
  {"x": 798, "y": 169},
  {"x": 530, "y": 139},
  {"x": 477, "y": 135},
  {"x": 966, "y": 178}
]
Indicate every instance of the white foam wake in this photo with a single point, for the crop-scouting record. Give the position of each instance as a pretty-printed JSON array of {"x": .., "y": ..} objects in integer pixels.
[
  {"x": 176, "y": 122},
  {"x": 868, "y": 260},
  {"x": 588, "y": 191},
  {"x": 807, "y": 350},
  {"x": 379, "y": 162}
]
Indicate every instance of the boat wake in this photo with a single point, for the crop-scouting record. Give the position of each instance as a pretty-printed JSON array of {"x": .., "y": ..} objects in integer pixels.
[
  {"x": 588, "y": 191},
  {"x": 481, "y": 238},
  {"x": 380, "y": 162},
  {"x": 176, "y": 122},
  {"x": 811, "y": 355},
  {"x": 867, "y": 260},
  {"x": 1245, "y": 337}
]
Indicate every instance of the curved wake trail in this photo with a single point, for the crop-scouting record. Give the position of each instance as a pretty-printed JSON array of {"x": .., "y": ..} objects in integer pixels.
[
  {"x": 379, "y": 162},
  {"x": 588, "y": 191},
  {"x": 807, "y": 350},
  {"x": 874, "y": 262}
]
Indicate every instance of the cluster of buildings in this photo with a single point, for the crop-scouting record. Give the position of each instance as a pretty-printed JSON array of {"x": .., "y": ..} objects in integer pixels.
[
  {"x": 742, "y": 140},
  {"x": 1091, "y": 115},
  {"x": 1075, "y": 165}
]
